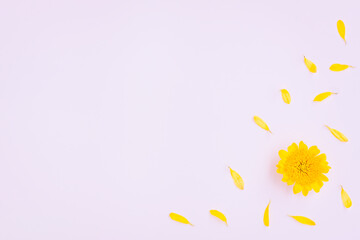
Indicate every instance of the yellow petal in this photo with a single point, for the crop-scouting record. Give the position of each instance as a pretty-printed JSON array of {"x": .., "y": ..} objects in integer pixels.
[
  {"x": 286, "y": 96},
  {"x": 266, "y": 215},
  {"x": 283, "y": 154},
  {"x": 313, "y": 151},
  {"x": 323, "y": 178},
  {"x": 323, "y": 96},
  {"x": 179, "y": 218},
  {"x": 293, "y": 147},
  {"x": 341, "y": 29},
  {"x": 310, "y": 65},
  {"x": 303, "y": 146},
  {"x": 317, "y": 186},
  {"x": 345, "y": 198},
  {"x": 237, "y": 179},
  {"x": 297, "y": 188},
  {"x": 338, "y": 134},
  {"x": 261, "y": 123},
  {"x": 303, "y": 220},
  {"x": 337, "y": 67},
  {"x": 219, "y": 215}
]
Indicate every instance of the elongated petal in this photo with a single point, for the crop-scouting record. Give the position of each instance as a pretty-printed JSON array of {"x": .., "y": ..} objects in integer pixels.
[
  {"x": 338, "y": 135},
  {"x": 261, "y": 123},
  {"x": 237, "y": 179},
  {"x": 310, "y": 65},
  {"x": 341, "y": 29},
  {"x": 179, "y": 218},
  {"x": 286, "y": 96},
  {"x": 337, "y": 67},
  {"x": 322, "y": 96},
  {"x": 219, "y": 215},
  {"x": 304, "y": 220},
  {"x": 345, "y": 198},
  {"x": 266, "y": 215}
]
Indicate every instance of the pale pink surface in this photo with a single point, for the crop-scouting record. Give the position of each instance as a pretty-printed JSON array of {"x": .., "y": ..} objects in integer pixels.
[{"x": 116, "y": 113}]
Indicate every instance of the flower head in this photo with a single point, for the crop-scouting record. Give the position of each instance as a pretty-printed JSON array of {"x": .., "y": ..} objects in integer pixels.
[{"x": 304, "y": 167}]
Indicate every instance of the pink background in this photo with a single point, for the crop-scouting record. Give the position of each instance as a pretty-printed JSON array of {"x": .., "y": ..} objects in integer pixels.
[{"x": 116, "y": 113}]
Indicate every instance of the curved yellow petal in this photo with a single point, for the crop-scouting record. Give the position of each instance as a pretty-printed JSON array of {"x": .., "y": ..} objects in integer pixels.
[
  {"x": 266, "y": 215},
  {"x": 323, "y": 96},
  {"x": 337, "y": 67},
  {"x": 341, "y": 29},
  {"x": 219, "y": 215},
  {"x": 261, "y": 123},
  {"x": 310, "y": 65},
  {"x": 239, "y": 182},
  {"x": 286, "y": 96},
  {"x": 179, "y": 218},
  {"x": 340, "y": 136},
  {"x": 304, "y": 220},
  {"x": 345, "y": 198}
]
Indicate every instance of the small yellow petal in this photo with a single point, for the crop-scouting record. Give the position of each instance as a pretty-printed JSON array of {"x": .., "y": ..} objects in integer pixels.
[
  {"x": 341, "y": 29},
  {"x": 324, "y": 178},
  {"x": 305, "y": 190},
  {"x": 283, "y": 154},
  {"x": 261, "y": 123},
  {"x": 317, "y": 186},
  {"x": 286, "y": 96},
  {"x": 297, "y": 188},
  {"x": 302, "y": 146},
  {"x": 237, "y": 179},
  {"x": 345, "y": 198},
  {"x": 339, "y": 67},
  {"x": 310, "y": 65},
  {"x": 313, "y": 151},
  {"x": 337, "y": 134},
  {"x": 303, "y": 220},
  {"x": 266, "y": 215},
  {"x": 219, "y": 215},
  {"x": 323, "y": 96},
  {"x": 179, "y": 218},
  {"x": 292, "y": 147}
]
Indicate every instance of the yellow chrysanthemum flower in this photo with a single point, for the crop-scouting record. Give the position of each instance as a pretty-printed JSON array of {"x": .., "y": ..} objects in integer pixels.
[{"x": 304, "y": 167}]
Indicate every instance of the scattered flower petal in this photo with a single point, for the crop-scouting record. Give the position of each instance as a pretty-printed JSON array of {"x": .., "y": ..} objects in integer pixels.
[
  {"x": 310, "y": 65},
  {"x": 219, "y": 215},
  {"x": 286, "y": 96},
  {"x": 237, "y": 179},
  {"x": 337, "y": 67},
  {"x": 341, "y": 29},
  {"x": 337, "y": 134},
  {"x": 323, "y": 96},
  {"x": 266, "y": 215},
  {"x": 304, "y": 220},
  {"x": 345, "y": 198},
  {"x": 261, "y": 123},
  {"x": 179, "y": 218}
]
